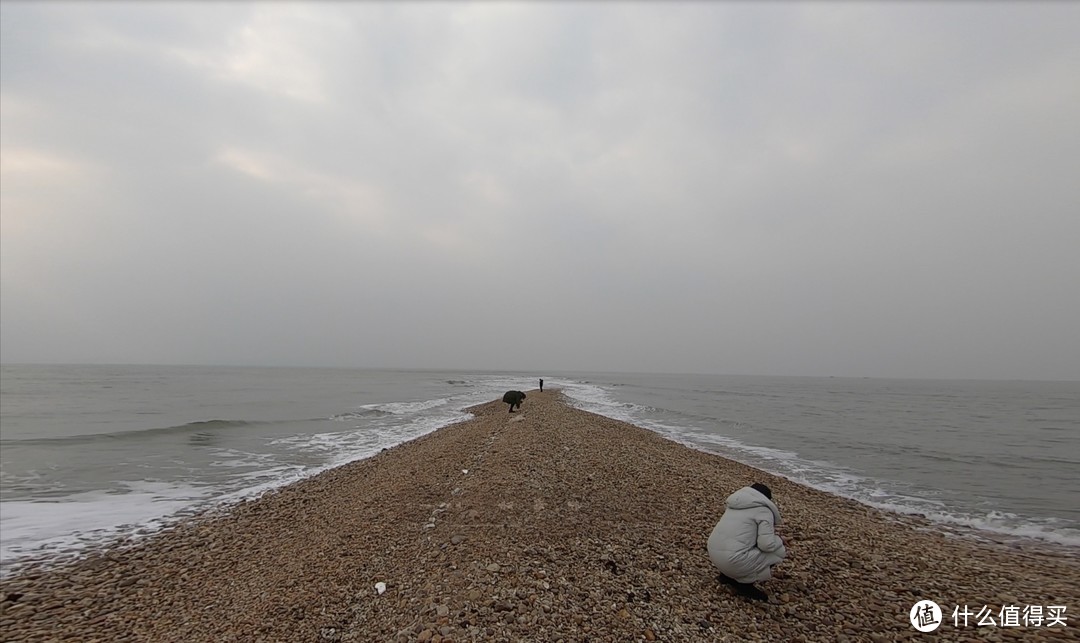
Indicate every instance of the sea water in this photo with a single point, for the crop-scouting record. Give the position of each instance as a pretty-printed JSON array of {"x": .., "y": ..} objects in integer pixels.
[
  {"x": 91, "y": 453},
  {"x": 1001, "y": 456}
]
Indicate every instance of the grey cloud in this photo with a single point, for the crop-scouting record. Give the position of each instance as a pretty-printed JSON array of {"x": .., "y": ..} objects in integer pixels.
[{"x": 783, "y": 188}]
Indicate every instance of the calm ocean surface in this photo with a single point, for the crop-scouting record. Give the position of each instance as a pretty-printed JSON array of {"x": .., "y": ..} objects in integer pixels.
[{"x": 94, "y": 452}]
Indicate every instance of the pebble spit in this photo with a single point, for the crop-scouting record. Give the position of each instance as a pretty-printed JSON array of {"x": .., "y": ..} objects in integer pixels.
[{"x": 548, "y": 524}]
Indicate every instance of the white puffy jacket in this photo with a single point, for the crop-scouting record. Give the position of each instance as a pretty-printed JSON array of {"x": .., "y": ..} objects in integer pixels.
[{"x": 743, "y": 545}]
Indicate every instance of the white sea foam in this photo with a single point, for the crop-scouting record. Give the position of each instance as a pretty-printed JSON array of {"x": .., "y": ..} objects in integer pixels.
[
  {"x": 405, "y": 408},
  {"x": 34, "y": 528}
]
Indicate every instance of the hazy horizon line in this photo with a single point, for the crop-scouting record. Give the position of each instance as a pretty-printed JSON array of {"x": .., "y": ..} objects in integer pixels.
[{"x": 532, "y": 372}]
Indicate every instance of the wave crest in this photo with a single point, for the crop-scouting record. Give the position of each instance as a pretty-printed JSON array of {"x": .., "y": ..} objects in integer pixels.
[{"x": 200, "y": 427}]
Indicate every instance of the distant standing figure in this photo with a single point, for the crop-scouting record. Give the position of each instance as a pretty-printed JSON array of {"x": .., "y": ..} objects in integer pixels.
[
  {"x": 541, "y": 385},
  {"x": 744, "y": 545},
  {"x": 513, "y": 398}
]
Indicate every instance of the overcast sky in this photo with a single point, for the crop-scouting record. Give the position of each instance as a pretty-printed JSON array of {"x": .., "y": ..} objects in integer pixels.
[{"x": 862, "y": 189}]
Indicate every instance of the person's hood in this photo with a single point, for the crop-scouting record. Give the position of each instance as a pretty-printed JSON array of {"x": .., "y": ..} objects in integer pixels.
[{"x": 748, "y": 498}]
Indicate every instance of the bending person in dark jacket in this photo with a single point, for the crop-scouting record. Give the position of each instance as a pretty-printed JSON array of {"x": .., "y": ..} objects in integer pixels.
[
  {"x": 513, "y": 398},
  {"x": 744, "y": 545}
]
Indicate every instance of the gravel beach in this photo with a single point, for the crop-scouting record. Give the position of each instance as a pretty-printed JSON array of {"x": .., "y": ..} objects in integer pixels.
[{"x": 546, "y": 524}]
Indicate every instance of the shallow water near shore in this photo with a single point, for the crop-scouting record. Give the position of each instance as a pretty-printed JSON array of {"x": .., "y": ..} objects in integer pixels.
[
  {"x": 992, "y": 455},
  {"x": 93, "y": 452}
]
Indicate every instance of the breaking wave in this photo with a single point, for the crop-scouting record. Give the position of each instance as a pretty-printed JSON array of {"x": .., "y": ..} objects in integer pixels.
[{"x": 199, "y": 427}]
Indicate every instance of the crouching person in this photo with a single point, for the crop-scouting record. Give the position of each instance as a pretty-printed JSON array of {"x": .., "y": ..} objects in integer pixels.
[
  {"x": 514, "y": 399},
  {"x": 744, "y": 545}
]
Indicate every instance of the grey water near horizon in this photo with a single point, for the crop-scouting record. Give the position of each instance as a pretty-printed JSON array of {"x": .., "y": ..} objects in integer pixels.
[
  {"x": 91, "y": 453},
  {"x": 992, "y": 455}
]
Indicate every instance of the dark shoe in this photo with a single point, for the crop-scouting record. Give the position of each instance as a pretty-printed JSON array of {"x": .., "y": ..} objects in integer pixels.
[
  {"x": 751, "y": 592},
  {"x": 726, "y": 580}
]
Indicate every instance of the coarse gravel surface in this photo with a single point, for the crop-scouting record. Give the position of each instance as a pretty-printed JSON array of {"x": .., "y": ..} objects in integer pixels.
[{"x": 547, "y": 524}]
